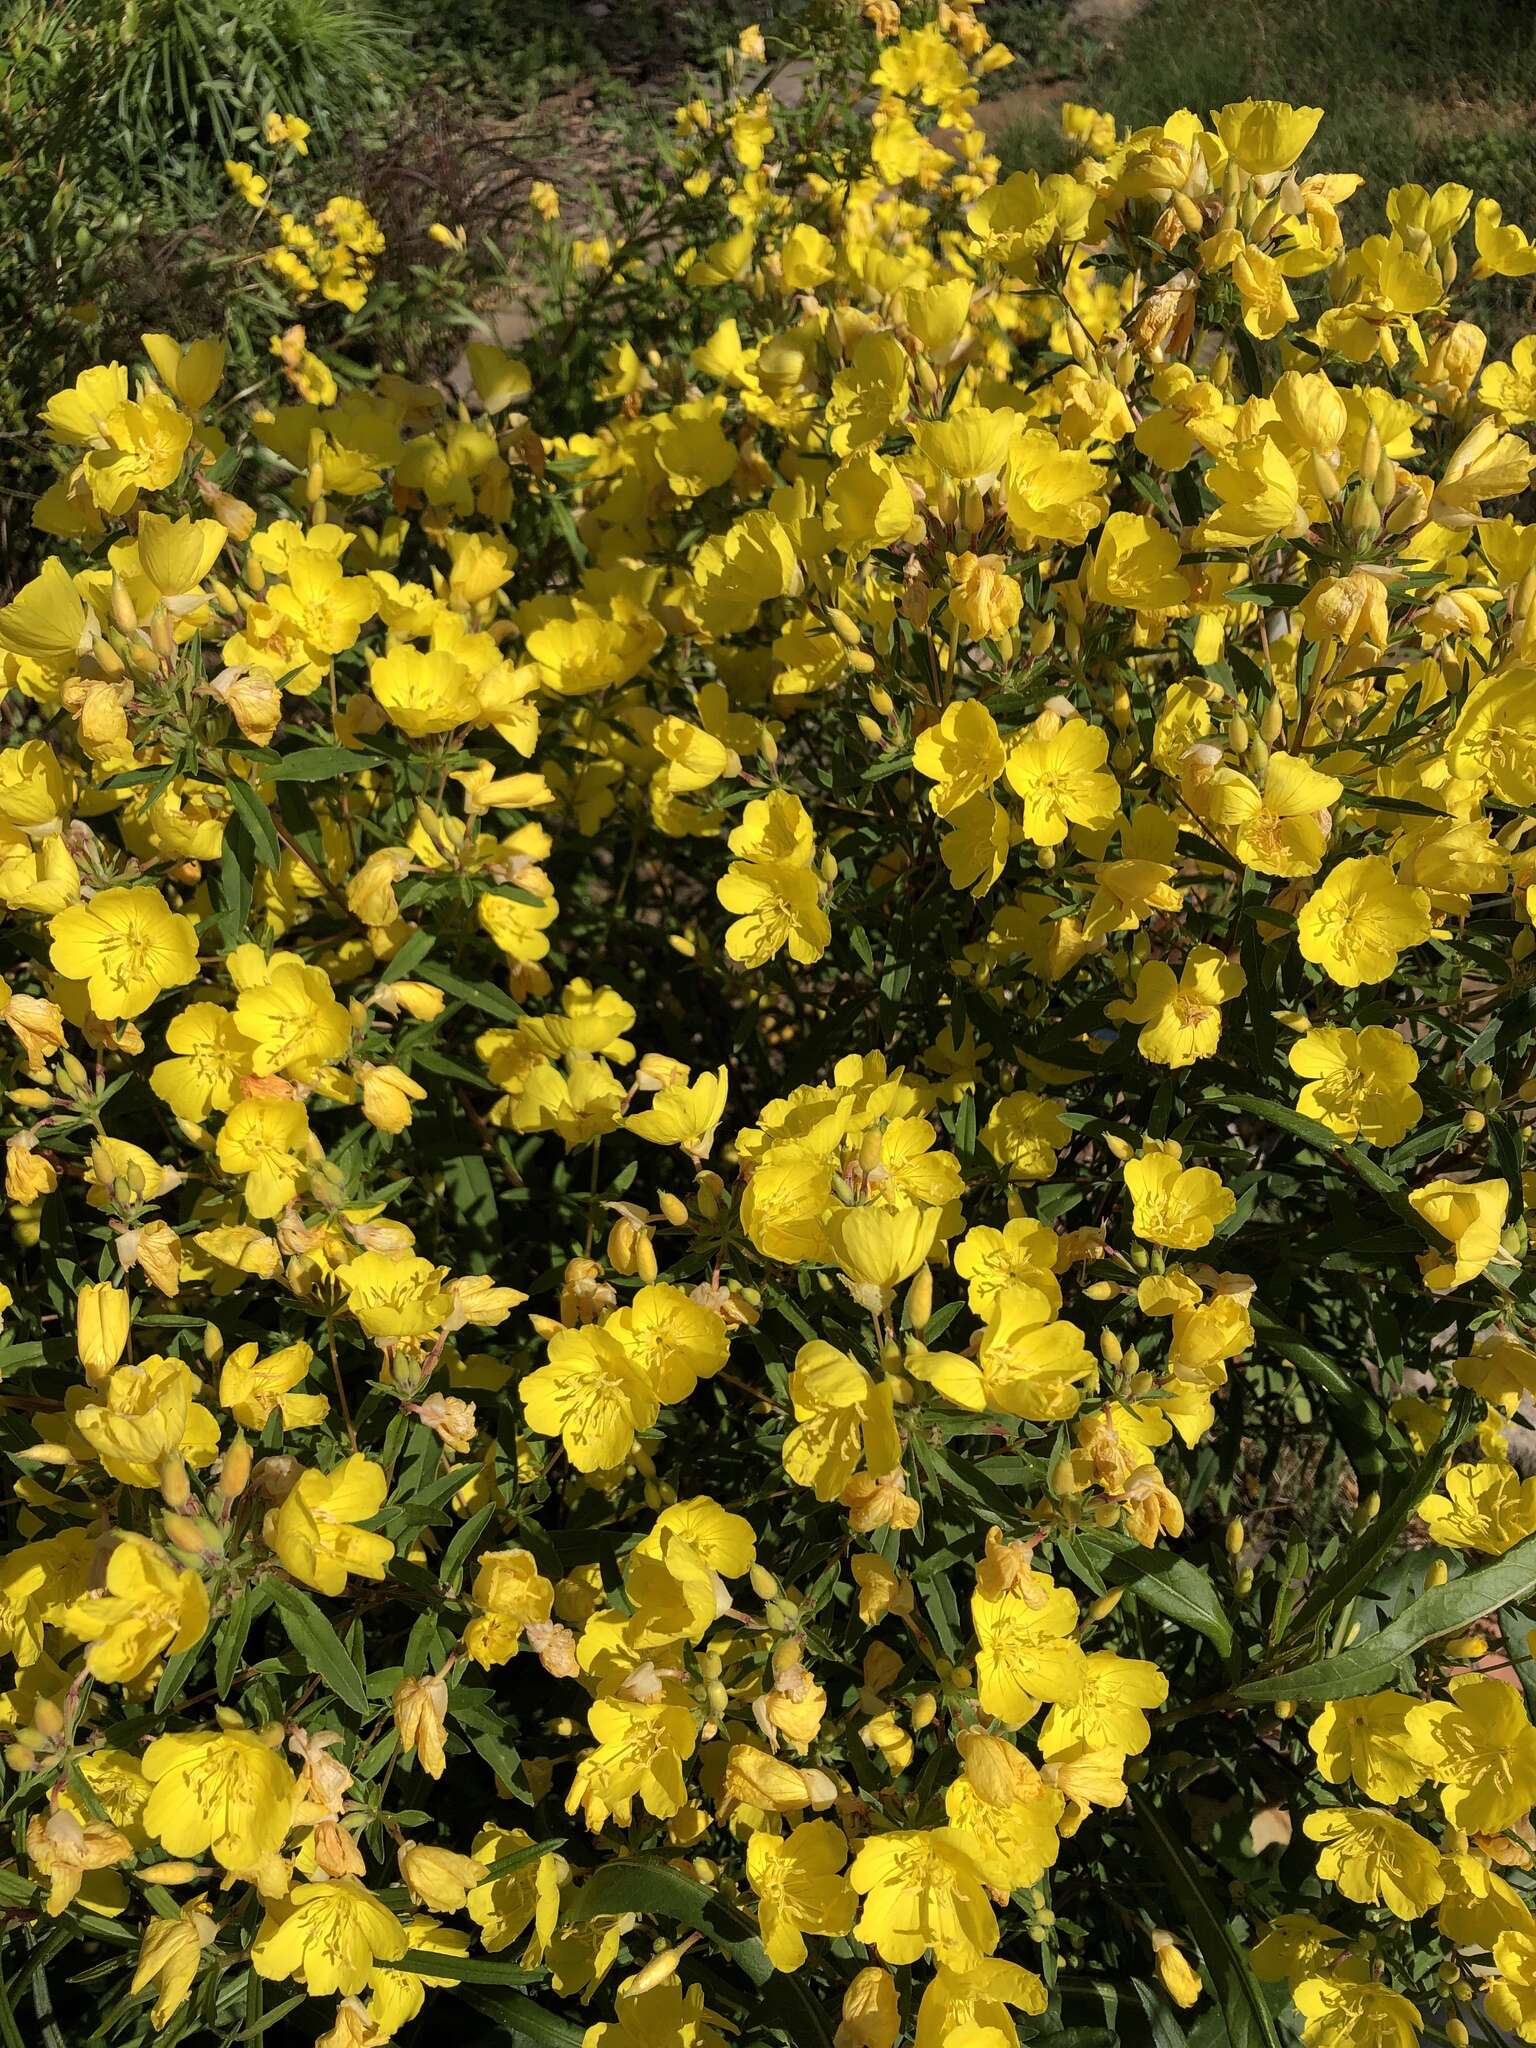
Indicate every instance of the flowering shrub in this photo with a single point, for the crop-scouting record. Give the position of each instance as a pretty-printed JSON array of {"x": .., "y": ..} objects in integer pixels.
[{"x": 766, "y": 1159}]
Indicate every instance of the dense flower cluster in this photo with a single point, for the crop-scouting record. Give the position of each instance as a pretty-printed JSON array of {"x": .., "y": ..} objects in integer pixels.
[{"x": 997, "y": 782}]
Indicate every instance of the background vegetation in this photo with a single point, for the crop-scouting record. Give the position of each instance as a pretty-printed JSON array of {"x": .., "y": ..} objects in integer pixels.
[{"x": 115, "y": 120}]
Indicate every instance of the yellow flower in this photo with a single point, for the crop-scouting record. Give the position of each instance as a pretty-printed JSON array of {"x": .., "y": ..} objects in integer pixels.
[
  {"x": 168, "y": 1958},
  {"x": 962, "y": 754},
  {"x": 64, "y": 1850},
  {"x": 983, "y": 598},
  {"x": 1266, "y": 136},
  {"x": 395, "y": 1297},
  {"x": 775, "y": 906},
  {"x": 278, "y": 129},
  {"x": 1469, "y": 1215},
  {"x": 1362, "y": 918},
  {"x": 289, "y": 1014},
  {"x": 655, "y": 2016},
  {"x": 806, "y": 259},
  {"x": 144, "y": 444},
  {"x": 1344, "y": 2012},
  {"x": 1376, "y": 1741},
  {"x": 1376, "y": 1859},
  {"x": 421, "y": 1710},
  {"x": 143, "y": 1415},
  {"x": 45, "y": 621},
  {"x": 684, "y": 1114},
  {"x": 973, "y": 2005},
  {"x": 246, "y": 181},
  {"x": 424, "y": 692},
  {"x": 1281, "y": 833},
  {"x": 1481, "y": 1507},
  {"x": 1180, "y": 1018},
  {"x": 1175, "y": 1973},
  {"x": 213, "y": 1056},
  {"x": 254, "y": 1388},
  {"x": 1358, "y": 1082},
  {"x": 641, "y": 1748},
  {"x": 1179, "y": 1206},
  {"x": 315, "y": 1533},
  {"x": 1107, "y": 1710},
  {"x": 1060, "y": 775},
  {"x": 1026, "y": 1652},
  {"x": 1481, "y": 1751},
  {"x": 330, "y": 1936},
  {"x": 799, "y": 1888},
  {"x": 842, "y": 1415},
  {"x": 147, "y": 1606},
  {"x": 1503, "y": 250},
  {"x": 502, "y": 1907},
  {"x": 228, "y": 1791},
  {"x": 879, "y": 1248},
  {"x": 1136, "y": 564},
  {"x": 511, "y": 1593},
  {"x": 970, "y": 446},
  {"x": 922, "y": 1891},
  {"x": 591, "y": 1395},
  {"x": 101, "y": 1327},
  {"x": 388, "y": 1096},
  {"x": 266, "y": 1140},
  {"x": 127, "y": 946},
  {"x": 437, "y": 1878}
]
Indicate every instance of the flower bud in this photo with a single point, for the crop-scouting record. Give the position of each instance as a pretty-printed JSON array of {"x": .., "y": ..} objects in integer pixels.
[
  {"x": 437, "y": 1878},
  {"x": 101, "y": 1327},
  {"x": 235, "y": 1471},
  {"x": 661, "y": 1969},
  {"x": 421, "y": 1719},
  {"x": 919, "y": 1302}
]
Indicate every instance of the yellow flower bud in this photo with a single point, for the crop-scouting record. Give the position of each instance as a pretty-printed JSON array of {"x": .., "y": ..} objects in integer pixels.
[{"x": 101, "y": 1327}]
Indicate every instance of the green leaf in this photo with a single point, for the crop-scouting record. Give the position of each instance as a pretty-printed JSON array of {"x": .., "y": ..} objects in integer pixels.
[
  {"x": 640, "y": 1884},
  {"x": 522, "y": 2019},
  {"x": 173, "y": 1679},
  {"x": 431, "y": 1962},
  {"x": 409, "y": 957},
  {"x": 464, "y": 1542},
  {"x": 1249, "y": 2023},
  {"x": 1370, "y": 1665},
  {"x": 1291, "y": 1121},
  {"x": 643, "y": 1884},
  {"x": 319, "y": 1645},
  {"x": 319, "y": 764},
  {"x": 1172, "y": 1585},
  {"x": 1358, "y": 1564},
  {"x": 253, "y": 1601},
  {"x": 478, "y": 994},
  {"x": 263, "y": 2022},
  {"x": 254, "y": 816},
  {"x": 1508, "y": 1149},
  {"x": 516, "y": 1859},
  {"x": 1356, "y": 1411},
  {"x": 10, "y": 2033},
  {"x": 1165, "y": 2029}
]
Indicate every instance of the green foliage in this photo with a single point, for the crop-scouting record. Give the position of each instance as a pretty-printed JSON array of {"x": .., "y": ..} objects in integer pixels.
[{"x": 199, "y": 71}]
